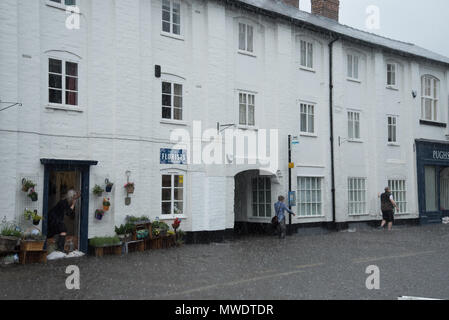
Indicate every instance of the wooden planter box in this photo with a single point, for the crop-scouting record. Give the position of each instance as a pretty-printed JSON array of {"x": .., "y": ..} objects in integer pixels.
[
  {"x": 109, "y": 250},
  {"x": 135, "y": 246},
  {"x": 169, "y": 241},
  {"x": 29, "y": 257},
  {"x": 32, "y": 245}
]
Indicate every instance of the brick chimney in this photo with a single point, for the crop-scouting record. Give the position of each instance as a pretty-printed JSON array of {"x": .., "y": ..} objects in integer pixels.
[
  {"x": 326, "y": 8},
  {"x": 294, "y": 3}
]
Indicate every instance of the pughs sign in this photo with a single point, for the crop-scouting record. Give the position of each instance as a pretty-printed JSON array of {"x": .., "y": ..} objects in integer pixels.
[
  {"x": 173, "y": 156},
  {"x": 440, "y": 155}
]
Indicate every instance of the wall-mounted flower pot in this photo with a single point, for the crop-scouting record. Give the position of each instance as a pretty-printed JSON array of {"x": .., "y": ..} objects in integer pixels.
[
  {"x": 33, "y": 196},
  {"x": 109, "y": 187},
  {"x": 36, "y": 222},
  {"x": 99, "y": 214},
  {"x": 106, "y": 208},
  {"x": 130, "y": 189}
]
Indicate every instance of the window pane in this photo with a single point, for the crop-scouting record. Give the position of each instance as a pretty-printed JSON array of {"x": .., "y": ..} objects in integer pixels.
[
  {"x": 166, "y": 87},
  {"x": 177, "y": 102},
  {"x": 242, "y": 114},
  {"x": 55, "y": 81},
  {"x": 71, "y": 83},
  {"x": 166, "y": 181},
  {"x": 251, "y": 116},
  {"x": 179, "y": 181},
  {"x": 250, "y": 39},
  {"x": 55, "y": 66},
  {"x": 176, "y": 29},
  {"x": 71, "y": 69},
  {"x": 242, "y": 36},
  {"x": 166, "y": 26},
  {"x": 303, "y": 54},
  {"x": 71, "y": 98},
  {"x": 309, "y": 55},
  {"x": 177, "y": 114},
  {"x": 166, "y": 207},
  {"x": 166, "y": 194},
  {"x": 55, "y": 96},
  {"x": 356, "y": 67},
  {"x": 179, "y": 194},
  {"x": 349, "y": 66},
  {"x": 178, "y": 207},
  {"x": 431, "y": 189}
]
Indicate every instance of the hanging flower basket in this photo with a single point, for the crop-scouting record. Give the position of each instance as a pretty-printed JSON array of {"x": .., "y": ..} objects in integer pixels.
[
  {"x": 27, "y": 185},
  {"x": 33, "y": 195},
  {"x": 129, "y": 187},
  {"x": 109, "y": 187},
  {"x": 97, "y": 190},
  {"x": 106, "y": 204},
  {"x": 99, "y": 214}
]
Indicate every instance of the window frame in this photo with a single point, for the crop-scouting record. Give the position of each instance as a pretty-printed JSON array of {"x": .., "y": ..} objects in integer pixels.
[
  {"x": 394, "y": 75},
  {"x": 362, "y": 191},
  {"x": 318, "y": 203},
  {"x": 61, "y": 4},
  {"x": 434, "y": 90},
  {"x": 393, "y": 125},
  {"x": 172, "y": 200},
  {"x": 309, "y": 55},
  {"x": 350, "y": 70},
  {"x": 247, "y": 104},
  {"x": 354, "y": 121},
  {"x": 399, "y": 196},
  {"x": 256, "y": 202},
  {"x": 308, "y": 106},
  {"x": 246, "y": 40},
  {"x": 172, "y": 100},
  {"x": 63, "y": 89},
  {"x": 171, "y": 22}
]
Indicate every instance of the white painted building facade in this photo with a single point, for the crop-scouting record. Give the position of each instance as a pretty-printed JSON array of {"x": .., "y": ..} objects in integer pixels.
[{"x": 219, "y": 62}]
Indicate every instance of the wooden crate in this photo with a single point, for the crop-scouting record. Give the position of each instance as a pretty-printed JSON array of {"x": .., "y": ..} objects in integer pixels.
[
  {"x": 168, "y": 241},
  {"x": 29, "y": 257},
  {"x": 26, "y": 245},
  {"x": 135, "y": 246},
  {"x": 110, "y": 250},
  {"x": 156, "y": 243}
]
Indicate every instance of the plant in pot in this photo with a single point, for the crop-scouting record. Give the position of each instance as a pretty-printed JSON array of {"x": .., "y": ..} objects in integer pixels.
[
  {"x": 97, "y": 190},
  {"x": 33, "y": 241},
  {"x": 137, "y": 220},
  {"x": 106, "y": 204},
  {"x": 27, "y": 185},
  {"x": 99, "y": 242},
  {"x": 180, "y": 238},
  {"x": 99, "y": 214},
  {"x": 124, "y": 232},
  {"x": 109, "y": 186},
  {"x": 9, "y": 236},
  {"x": 129, "y": 187},
  {"x": 33, "y": 195}
]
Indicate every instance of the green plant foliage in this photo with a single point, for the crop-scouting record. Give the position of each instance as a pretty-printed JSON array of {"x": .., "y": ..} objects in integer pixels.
[
  {"x": 9, "y": 229},
  {"x": 104, "y": 241},
  {"x": 132, "y": 219},
  {"x": 124, "y": 229},
  {"x": 97, "y": 190}
]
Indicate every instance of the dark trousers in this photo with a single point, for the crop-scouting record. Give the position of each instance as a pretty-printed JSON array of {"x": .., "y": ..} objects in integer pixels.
[{"x": 282, "y": 228}]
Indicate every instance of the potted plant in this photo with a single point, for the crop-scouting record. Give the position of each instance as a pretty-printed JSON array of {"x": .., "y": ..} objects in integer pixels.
[
  {"x": 129, "y": 187},
  {"x": 109, "y": 186},
  {"x": 28, "y": 214},
  {"x": 99, "y": 214},
  {"x": 27, "y": 185},
  {"x": 106, "y": 245},
  {"x": 36, "y": 218},
  {"x": 9, "y": 236},
  {"x": 124, "y": 232},
  {"x": 33, "y": 195},
  {"x": 176, "y": 224},
  {"x": 97, "y": 190},
  {"x": 180, "y": 238},
  {"x": 106, "y": 204},
  {"x": 138, "y": 220}
]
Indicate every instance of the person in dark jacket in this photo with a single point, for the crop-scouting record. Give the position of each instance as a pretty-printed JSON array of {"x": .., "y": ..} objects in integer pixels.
[
  {"x": 387, "y": 206},
  {"x": 56, "y": 226}
]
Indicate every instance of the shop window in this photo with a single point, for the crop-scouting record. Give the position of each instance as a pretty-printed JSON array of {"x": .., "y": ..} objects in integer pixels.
[
  {"x": 309, "y": 200},
  {"x": 357, "y": 196},
  {"x": 173, "y": 194},
  {"x": 431, "y": 189},
  {"x": 261, "y": 197},
  {"x": 399, "y": 192}
]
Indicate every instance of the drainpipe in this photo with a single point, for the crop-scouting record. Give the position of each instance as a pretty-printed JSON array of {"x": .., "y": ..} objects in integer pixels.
[{"x": 331, "y": 118}]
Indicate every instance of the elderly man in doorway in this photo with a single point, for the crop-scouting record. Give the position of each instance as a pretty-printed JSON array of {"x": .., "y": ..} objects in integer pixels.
[
  {"x": 387, "y": 206},
  {"x": 56, "y": 226},
  {"x": 280, "y": 208}
]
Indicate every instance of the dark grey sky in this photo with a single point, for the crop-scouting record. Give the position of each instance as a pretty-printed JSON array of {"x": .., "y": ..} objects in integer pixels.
[{"x": 422, "y": 22}]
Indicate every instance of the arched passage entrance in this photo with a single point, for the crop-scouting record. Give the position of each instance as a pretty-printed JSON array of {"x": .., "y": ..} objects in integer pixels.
[{"x": 254, "y": 194}]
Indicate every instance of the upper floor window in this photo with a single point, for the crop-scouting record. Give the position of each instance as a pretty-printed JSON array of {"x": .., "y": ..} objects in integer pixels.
[
  {"x": 246, "y": 37},
  {"x": 391, "y": 74},
  {"x": 62, "y": 82},
  {"x": 247, "y": 107},
  {"x": 353, "y": 125},
  {"x": 353, "y": 67},
  {"x": 65, "y": 2},
  {"x": 307, "y": 118},
  {"x": 171, "y": 16},
  {"x": 306, "y": 49},
  {"x": 171, "y": 101},
  {"x": 392, "y": 129},
  {"x": 430, "y": 87}
]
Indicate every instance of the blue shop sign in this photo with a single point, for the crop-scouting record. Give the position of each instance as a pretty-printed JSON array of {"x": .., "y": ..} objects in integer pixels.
[{"x": 173, "y": 156}]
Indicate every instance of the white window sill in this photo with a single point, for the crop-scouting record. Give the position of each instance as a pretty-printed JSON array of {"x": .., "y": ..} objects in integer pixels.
[
  {"x": 310, "y": 135},
  {"x": 243, "y": 127},
  {"x": 247, "y": 53},
  {"x": 355, "y": 140},
  {"x": 64, "y": 108},
  {"x": 309, "y": 217},
  {"x": 165, "y": 217},
  {"x": 59, "y": 6},
  {"x": 172, "y": 35},
  {"x": 307, "y": 69},
  {"x": 260, "y": 218},
  {"x": 174, "y": 122},
  {"x": 354, "y": 215},
  {"x": 353, "y": 80},
  {"x": 392, "y": 88},
  {"x": 393, "y": 144}
]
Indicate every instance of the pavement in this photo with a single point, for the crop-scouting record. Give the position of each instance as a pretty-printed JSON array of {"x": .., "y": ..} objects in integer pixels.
[{"x": 412, "y": 261}]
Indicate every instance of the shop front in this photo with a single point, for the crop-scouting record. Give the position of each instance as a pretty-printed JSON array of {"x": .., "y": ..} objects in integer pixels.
[{"x": 433, "y": 180}]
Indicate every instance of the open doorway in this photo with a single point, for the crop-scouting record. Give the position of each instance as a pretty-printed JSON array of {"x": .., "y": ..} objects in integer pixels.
[{"x": 60, "y": 183}]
